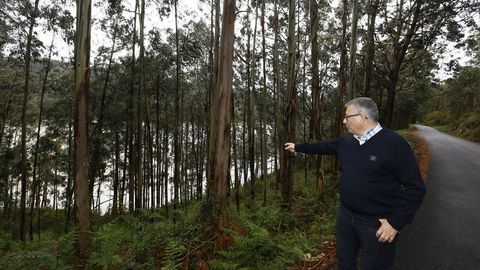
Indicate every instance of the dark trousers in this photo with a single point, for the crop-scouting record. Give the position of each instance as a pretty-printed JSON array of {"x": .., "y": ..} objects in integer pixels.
[{"x": 356, "y": 239}]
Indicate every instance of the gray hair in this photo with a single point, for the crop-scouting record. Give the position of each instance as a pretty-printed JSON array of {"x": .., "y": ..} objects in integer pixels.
[{"x": 366, "y": 106}]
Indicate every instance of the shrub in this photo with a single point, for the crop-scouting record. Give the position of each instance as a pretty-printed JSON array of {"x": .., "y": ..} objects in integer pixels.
[{"x": 437, "y": 118}]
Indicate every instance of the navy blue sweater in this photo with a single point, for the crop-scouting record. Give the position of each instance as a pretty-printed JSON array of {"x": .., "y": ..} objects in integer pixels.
[{"x": 380, "y": 178}]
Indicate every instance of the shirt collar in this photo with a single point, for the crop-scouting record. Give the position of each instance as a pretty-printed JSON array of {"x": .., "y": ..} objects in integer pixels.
[{"x": 369, "y": 134}]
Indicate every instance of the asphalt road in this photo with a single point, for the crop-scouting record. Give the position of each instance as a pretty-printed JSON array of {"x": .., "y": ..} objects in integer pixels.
[{"x": 446, "y": 231}]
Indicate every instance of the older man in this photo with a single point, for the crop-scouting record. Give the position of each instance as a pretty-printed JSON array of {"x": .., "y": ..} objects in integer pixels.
[{"x": 381, "y": 187}]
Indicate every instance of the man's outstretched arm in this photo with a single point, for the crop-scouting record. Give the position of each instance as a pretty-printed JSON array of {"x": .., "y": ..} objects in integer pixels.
[{"x": 321, "y": 148}]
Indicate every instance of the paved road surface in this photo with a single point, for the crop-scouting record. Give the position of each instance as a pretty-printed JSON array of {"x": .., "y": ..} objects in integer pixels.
[{"x": 446, "y": 231}]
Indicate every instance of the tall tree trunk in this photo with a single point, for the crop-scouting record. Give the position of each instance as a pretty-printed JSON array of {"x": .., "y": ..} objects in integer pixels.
[
  {"x": 316, "y": 123},
  {"x": 372, "y": 11},
  {"x": 235, "y": 156},
  {"x": 196, "y": 148},
  {"x": 158, "y": 156},
  {"x": 140, "y": 112},
  {"x": 14, "y": 219},
  {"x": 176, "y": 139},
  {"x": 28, "y": 52},
  {"x": 221, "y": 120},
  {"x": 184, "y": 166},
  {"x": 39, "y": 205},
  {"x": 244, "y": 138},
  {"x": 150, "y": 155},
  {"x": 201, "y": 139},
  {"x": 35, "y": 185},
  {"x": 55, "y": 188},
  {"x": 278, "y": 149},
  {"x": 342, "y": 80},
  {"x": 165, "y": 158},
  {"x": 301, "y": 62},
  {"x": 69, "y": 191},
  {"x": 121, "y": 197},
  {"x": 82, "y": 69},
  {"x": 213, "y": 63},
  {"x": 251, "y": 110},
  {"x": 116, "y": 172},
  {"x": 264, "y": 108},
  {"x": 353, "y": 51},
  {"x": 131, "y": 120},
  {"x": 290, "y": 110}
]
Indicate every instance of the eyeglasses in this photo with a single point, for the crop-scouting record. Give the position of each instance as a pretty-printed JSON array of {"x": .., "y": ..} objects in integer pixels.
[{"x": 351, "y": 115}]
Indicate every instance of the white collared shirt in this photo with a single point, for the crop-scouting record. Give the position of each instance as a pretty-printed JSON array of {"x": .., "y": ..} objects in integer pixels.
[{"x": 369, "y": 134}]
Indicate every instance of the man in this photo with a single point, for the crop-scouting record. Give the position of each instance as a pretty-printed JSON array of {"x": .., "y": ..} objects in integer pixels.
[{"x": 381, "y": 187}]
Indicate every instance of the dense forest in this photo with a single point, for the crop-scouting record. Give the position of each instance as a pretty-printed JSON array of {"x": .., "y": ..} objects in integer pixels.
[{"x": 147, "y": 147}]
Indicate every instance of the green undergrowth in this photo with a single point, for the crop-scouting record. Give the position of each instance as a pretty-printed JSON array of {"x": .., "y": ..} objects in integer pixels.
[
  {"x": 260, "y": 235},
  {"x": 467, "y": 126}
]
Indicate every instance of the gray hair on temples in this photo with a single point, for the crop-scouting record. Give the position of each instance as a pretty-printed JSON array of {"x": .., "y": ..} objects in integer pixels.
[{"x": 366, "y": 106}]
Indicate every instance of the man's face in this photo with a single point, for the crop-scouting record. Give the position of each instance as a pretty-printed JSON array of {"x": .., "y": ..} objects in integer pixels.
[{"x": 354, "y": 120}]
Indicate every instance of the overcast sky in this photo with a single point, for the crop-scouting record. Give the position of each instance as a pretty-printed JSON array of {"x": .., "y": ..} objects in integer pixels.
[{"x": 193, "y": 10}]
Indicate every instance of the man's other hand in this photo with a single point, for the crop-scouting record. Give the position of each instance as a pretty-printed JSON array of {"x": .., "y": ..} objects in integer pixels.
[{"x": 386, "y": 233}]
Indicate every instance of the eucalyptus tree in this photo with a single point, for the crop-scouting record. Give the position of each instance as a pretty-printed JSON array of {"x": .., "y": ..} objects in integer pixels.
[{"x": 82, "y": 69}]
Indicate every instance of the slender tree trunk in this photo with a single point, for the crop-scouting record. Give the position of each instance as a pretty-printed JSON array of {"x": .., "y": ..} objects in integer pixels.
[
  {"x": 14, "y": 219},
  {"x": 342, "y": 81},
  {"x": 35, "y": 185},
  {"x": 184, "y": 169},
  {"x": 165, "y": 159},
  {"x": 158, "y": 155},
  {"x": 235, "y": 156},
  {"x": 140, "y": 111},
  {"x": 28, "y": 52},
  {"x": 221, "y": 121},
  {"x": 116, "y": 173},
  {"x": 37, "y": 206},
  {"x": 304, "y": 97},
  {"x": 150, "y": 155},
  {"x": 372, "y": 11},
  {"x": 290, "y": 110},
  {"x": 121, "y": 197},
  {"x": 7, "y": 208},
  {"x": 196, "y": 148},
  {"x": 82, "y": 70},
  {"x": 69, "y": 191},
  {"x": 10, "y": 200},
  {"x": 131, "y": 120},
  {"x": 278, "y": 149},
  {"x": 201, "y": 139},
  {"x": 55, "y": 189},
  {"x": 353, "y": 51},
  {"x": 244, "y": 139},
  {"x": 264, "y": 108},
  {"x": 213, "y": 61},
  {"x": 177, "y": 147},
  {"x": 251, "y": 110},
  {"x": 316, "y": 124}
]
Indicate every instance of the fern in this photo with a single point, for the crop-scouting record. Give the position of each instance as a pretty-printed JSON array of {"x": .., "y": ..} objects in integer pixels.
[
  {"x": 222, "y": 265},
  {"x": 173, "y": 254},
  {"x": 112, "y": 244},
  {"x": 32, "y": 255}
]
